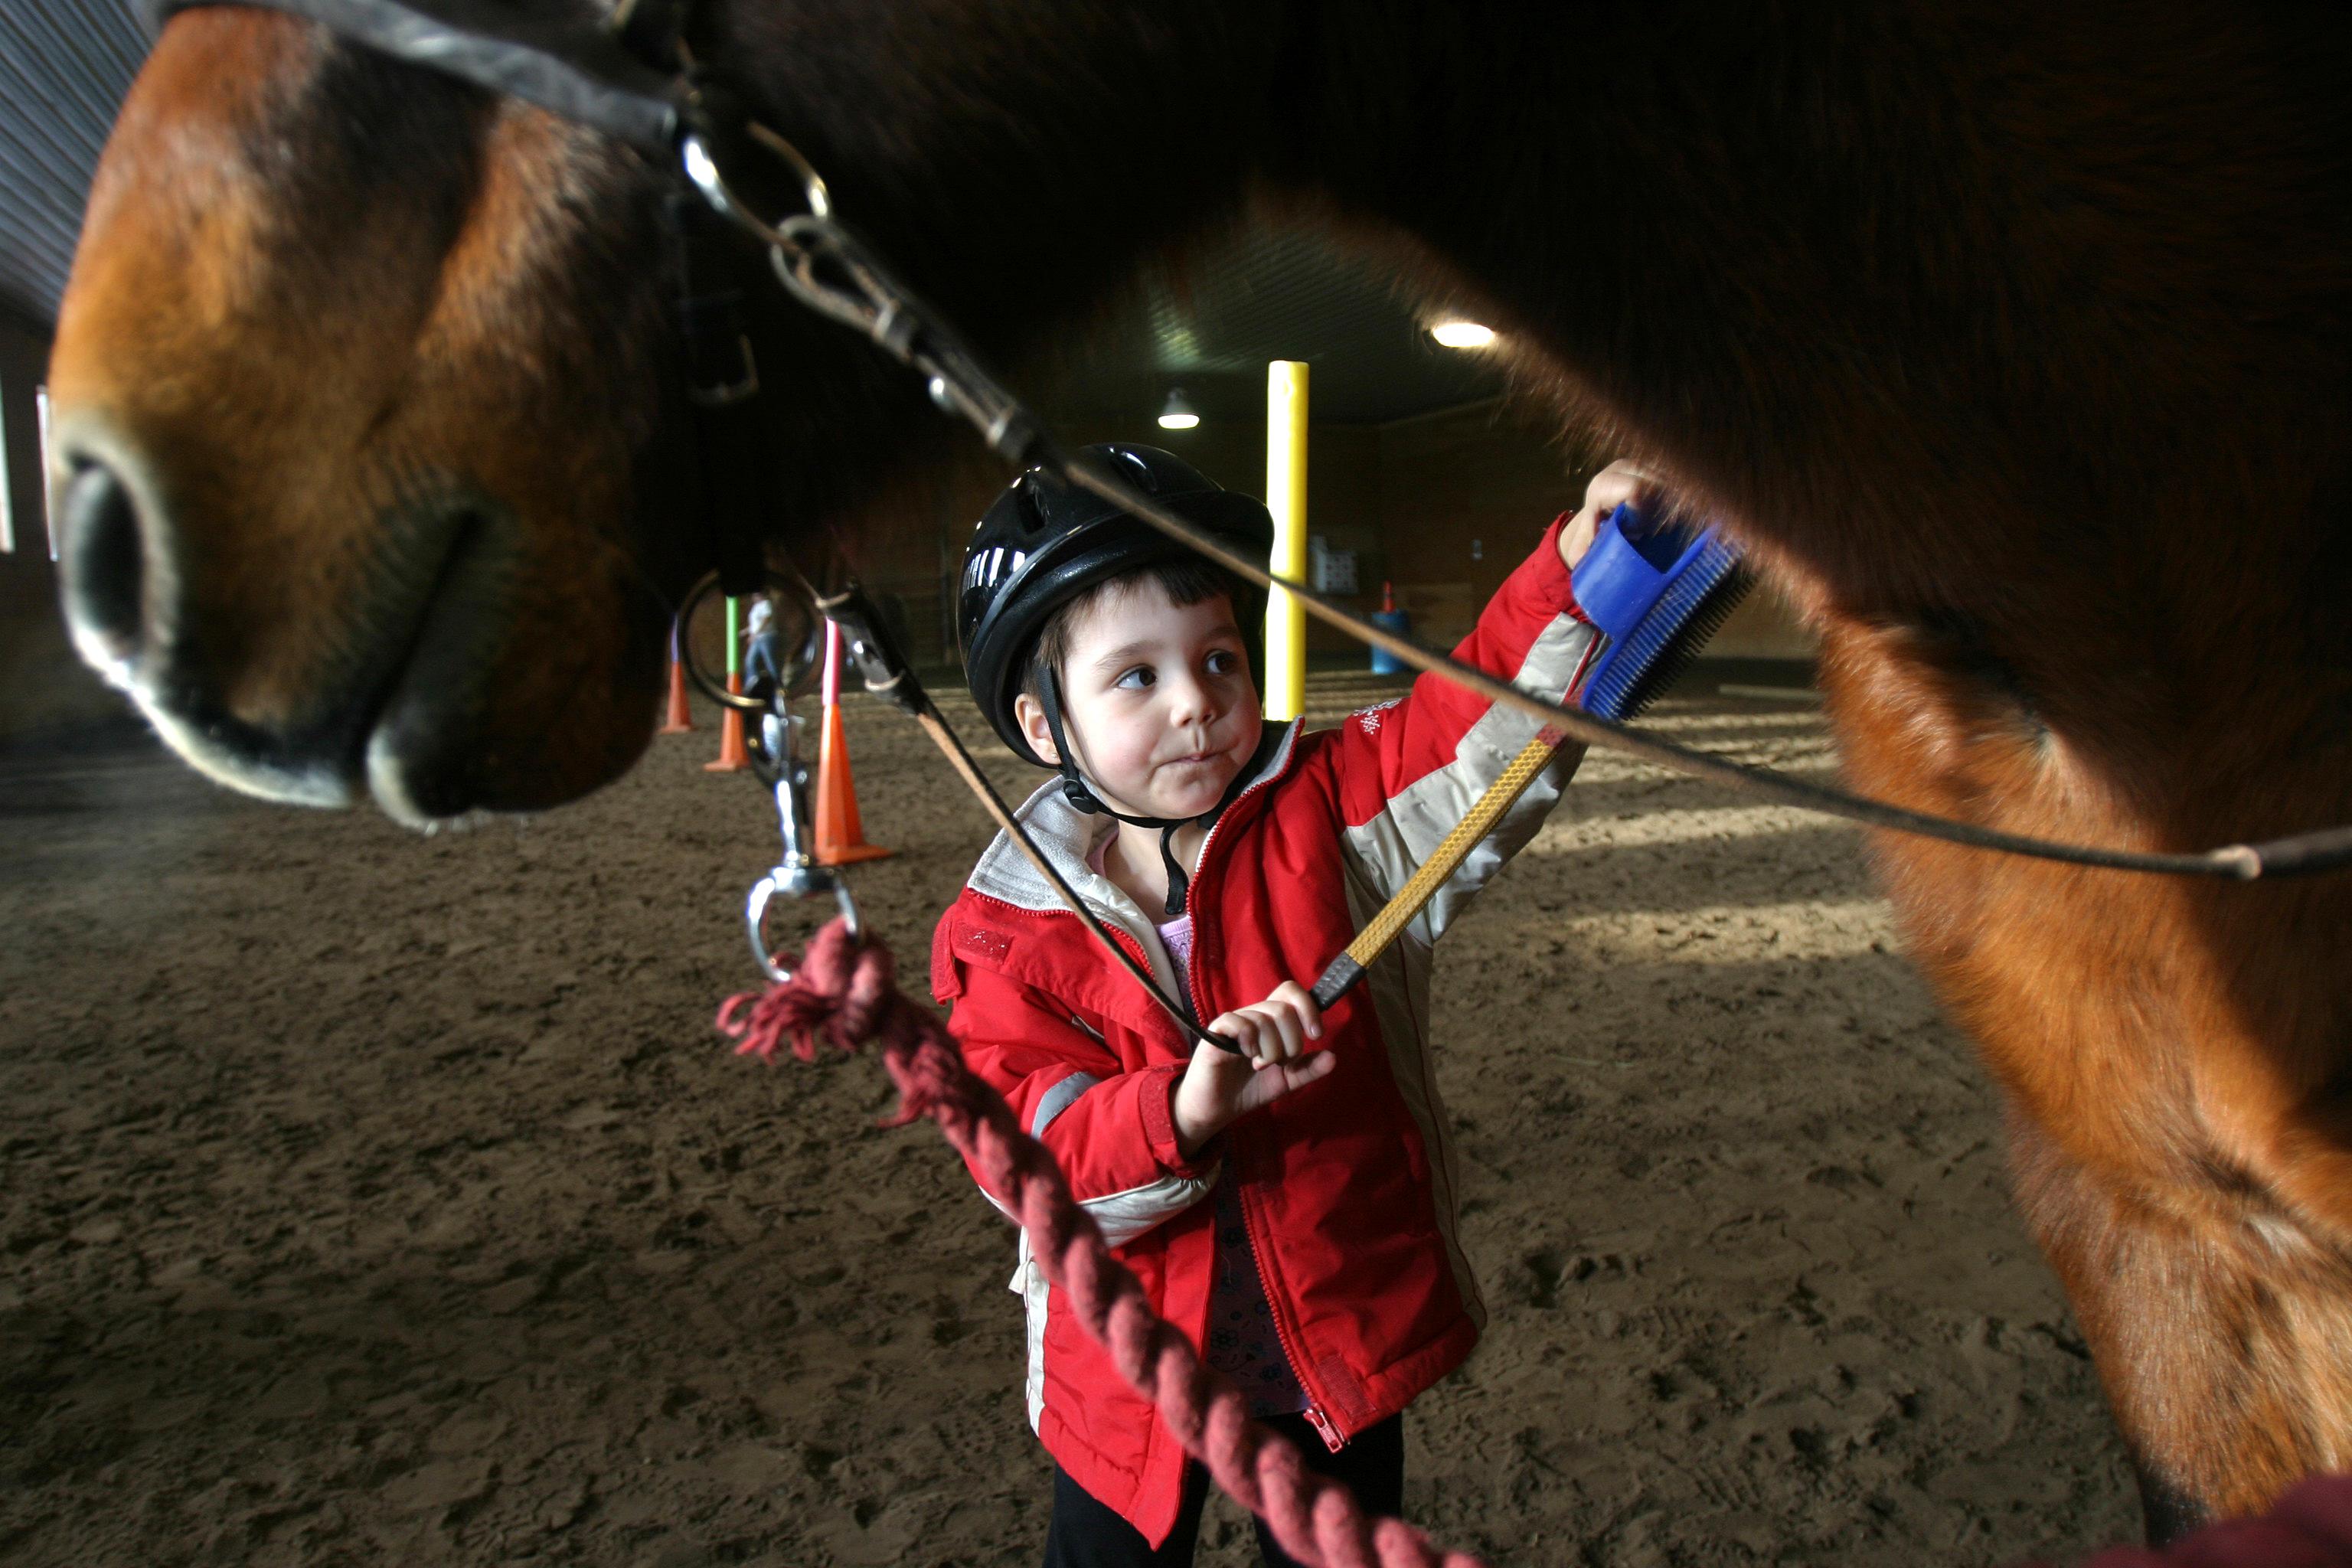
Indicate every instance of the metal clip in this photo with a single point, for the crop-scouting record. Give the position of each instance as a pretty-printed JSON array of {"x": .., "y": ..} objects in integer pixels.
[
  {"x": 796, "y": 874},
  {"x": 701, "y": 161}
]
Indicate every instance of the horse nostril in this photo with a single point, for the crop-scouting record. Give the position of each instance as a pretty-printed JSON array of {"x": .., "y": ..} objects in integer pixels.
[{"x": 104, "y": 560}]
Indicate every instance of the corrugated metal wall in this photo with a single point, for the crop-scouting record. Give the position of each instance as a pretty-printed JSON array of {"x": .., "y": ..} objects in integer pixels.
[{"x": 63, "y": 67}]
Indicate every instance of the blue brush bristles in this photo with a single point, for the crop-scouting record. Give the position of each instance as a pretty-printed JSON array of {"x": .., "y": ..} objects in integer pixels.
[{"x": 1659, "y": 594}]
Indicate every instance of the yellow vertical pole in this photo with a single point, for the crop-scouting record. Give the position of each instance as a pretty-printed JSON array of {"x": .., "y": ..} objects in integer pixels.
[{"x": 1285, "y": 497}]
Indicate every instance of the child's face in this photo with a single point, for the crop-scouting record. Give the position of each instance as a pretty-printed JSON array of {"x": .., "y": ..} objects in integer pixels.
[{"x": 1158, "y": 700}]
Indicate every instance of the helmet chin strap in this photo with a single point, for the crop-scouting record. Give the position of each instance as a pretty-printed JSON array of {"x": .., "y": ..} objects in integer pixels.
[{"x": 1081, "y": 795}]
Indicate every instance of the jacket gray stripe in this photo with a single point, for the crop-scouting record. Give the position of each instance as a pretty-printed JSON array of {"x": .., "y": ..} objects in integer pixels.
[
  {"x": 1392, "y": 844},
  {"x": 1057, "y": 1099},
  {"x": 1125, "y": 1216}
]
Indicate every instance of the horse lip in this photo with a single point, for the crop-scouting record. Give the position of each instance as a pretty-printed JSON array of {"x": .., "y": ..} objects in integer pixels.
[
  {"x": 243, "y": 757},
  {"x": 430, "y": 619},
  {"x": 417, "y": 744}
]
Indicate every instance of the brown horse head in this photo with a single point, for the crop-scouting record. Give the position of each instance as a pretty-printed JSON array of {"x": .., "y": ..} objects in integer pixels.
[
  {"x": 372, "y": 433},
  {"x": 350, "y": 403}
]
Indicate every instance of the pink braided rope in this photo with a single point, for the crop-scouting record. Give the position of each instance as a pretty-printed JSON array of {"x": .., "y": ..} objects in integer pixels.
[{"x": 845, "y": 992}]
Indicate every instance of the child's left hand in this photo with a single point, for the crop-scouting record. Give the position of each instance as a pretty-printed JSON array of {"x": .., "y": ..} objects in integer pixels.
[{"x": 1276, "y": 1036}]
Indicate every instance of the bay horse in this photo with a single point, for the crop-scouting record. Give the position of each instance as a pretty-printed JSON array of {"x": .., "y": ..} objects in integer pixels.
[{"x": 2011, "y": 337}]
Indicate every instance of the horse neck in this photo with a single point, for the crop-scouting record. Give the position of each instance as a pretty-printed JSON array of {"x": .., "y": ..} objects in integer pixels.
[{"x": 1824, "y": 264}]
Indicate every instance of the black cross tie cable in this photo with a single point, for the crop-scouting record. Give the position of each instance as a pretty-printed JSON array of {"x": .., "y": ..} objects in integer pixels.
[
  {"x": 827, "y": 268},
  {"x": 2326, "y": 849},
  {"x": 887, "y": 676}
]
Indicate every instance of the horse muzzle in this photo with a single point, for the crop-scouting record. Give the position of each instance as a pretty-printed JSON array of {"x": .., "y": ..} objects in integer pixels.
[{"x": 381, "y": 689}]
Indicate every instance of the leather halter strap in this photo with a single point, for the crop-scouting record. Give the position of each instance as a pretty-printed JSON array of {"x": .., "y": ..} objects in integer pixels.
[
  {"x": 585, "y": 70},
  {"x": 627, "y": 77}
]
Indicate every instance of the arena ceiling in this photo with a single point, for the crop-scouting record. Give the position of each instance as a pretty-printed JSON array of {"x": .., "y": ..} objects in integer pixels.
[{"x": 65, "y": 65}]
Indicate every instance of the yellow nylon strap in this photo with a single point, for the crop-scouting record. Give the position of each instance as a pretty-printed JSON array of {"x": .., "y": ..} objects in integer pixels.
[{"x": 1447, "y": 858}]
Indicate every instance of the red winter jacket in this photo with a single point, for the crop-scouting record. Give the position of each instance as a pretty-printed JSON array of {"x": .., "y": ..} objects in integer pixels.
[{"x": 1347, "y": 1185}]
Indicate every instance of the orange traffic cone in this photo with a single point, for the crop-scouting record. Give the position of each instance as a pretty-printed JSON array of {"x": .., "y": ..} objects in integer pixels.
[
  {"x": 680, "y": 720},
  {"x": 731, "y": 757},
  {"x": 840, "y": 835}
]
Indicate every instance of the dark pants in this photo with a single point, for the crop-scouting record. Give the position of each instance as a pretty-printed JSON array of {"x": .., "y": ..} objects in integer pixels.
[{"x": 1086, "y": 1535}]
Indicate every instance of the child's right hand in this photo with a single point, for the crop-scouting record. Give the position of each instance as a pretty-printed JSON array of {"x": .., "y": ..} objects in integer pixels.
[{"x": 1275, "y": 1036}]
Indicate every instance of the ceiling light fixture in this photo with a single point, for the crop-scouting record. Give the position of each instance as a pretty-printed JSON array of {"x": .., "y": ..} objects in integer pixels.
[
  {"x": 1179, "y": 413},
  {"x": 1460, "y": 334}
]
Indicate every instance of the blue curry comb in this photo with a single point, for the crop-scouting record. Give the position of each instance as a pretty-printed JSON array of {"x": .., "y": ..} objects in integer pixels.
[{"x": 1658, "y": 590}]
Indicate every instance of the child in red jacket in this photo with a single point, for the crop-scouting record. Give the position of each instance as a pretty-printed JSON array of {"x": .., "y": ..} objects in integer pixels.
[{"x": 1291, "y": 1206}]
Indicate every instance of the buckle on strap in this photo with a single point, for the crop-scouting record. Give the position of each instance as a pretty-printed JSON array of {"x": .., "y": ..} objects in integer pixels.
[
  {"x": 721, "y": 369},
  {"x": 650, "y": 30}
]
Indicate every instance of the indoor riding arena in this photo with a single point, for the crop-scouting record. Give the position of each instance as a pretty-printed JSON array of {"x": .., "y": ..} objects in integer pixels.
[{"x": 375, "y": 1186}]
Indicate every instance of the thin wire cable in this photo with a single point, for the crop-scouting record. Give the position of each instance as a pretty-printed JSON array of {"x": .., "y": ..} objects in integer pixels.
[
  {"x": 943, "y": 735},
  {"x": 2326, "y": 849}
]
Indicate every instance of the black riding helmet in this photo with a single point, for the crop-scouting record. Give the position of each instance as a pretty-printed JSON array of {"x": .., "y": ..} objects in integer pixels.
[{"x": 1043, "y": 544}]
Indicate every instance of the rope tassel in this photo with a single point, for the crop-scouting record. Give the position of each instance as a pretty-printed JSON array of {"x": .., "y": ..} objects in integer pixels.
[{"x": 843, "y": 994}]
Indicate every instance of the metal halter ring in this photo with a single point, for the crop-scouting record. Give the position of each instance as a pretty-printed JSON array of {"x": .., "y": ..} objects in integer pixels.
[
  {"x": 755, "y": 917},
  {"x": 798, "y": 678},
  {"x": 796, "y": 873}
]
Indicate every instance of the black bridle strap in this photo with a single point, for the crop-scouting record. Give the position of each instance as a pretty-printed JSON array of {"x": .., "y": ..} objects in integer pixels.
[
  {"x": 567, "y": 65},
  {"x": 722, "y": 377}
]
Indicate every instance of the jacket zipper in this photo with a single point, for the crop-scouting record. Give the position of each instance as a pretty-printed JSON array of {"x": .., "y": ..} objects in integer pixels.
[
  {"x": 1325, "y": 1427},
  {"x": 1210, "y": 838}
]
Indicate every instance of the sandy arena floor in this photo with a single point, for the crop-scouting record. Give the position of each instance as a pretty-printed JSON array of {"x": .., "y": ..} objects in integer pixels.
[{"x": 367, "y": 1199}]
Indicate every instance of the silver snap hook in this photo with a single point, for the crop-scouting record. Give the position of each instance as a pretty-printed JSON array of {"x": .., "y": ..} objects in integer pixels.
[{"x": 796, "y": 874}]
